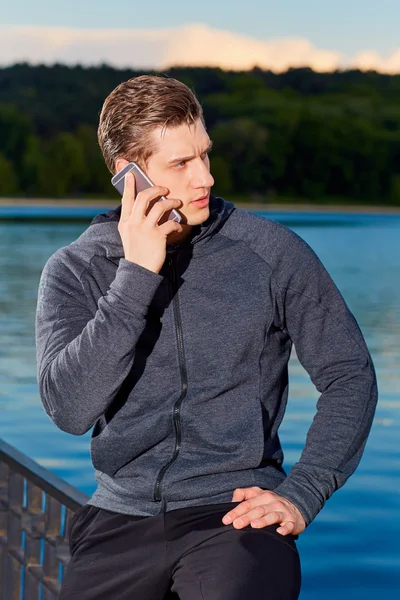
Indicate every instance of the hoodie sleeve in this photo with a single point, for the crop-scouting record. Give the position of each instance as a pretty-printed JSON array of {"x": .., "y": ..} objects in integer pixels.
[
  {"x": 330, "y": 346},
  {"x": 82, "y": 359}
]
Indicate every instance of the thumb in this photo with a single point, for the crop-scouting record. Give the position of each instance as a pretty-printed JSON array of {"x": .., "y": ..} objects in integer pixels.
[
  {"x": 245, "y": 494},
  {"x": 238, "y": 495}
]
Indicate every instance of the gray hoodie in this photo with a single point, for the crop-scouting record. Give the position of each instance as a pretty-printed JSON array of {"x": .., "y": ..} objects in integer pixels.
[{"x": 184, "y": 374}]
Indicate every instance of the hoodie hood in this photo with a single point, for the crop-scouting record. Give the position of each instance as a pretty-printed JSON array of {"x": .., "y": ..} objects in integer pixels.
[{"x": 103, "y": 229}]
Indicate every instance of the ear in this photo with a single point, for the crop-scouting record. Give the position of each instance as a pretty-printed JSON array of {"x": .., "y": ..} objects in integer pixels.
[{"x": 120, "y": 163}]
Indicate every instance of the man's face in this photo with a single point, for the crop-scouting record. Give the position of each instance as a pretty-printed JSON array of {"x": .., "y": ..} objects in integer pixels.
[{"x": 180, "y": 162}]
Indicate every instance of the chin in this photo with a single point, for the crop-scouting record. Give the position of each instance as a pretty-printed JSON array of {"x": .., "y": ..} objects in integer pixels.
[{"x": 199, "y": 217}]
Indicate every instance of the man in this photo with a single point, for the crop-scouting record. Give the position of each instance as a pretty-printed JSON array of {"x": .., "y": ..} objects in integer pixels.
[{"x": 173, "y": 341}]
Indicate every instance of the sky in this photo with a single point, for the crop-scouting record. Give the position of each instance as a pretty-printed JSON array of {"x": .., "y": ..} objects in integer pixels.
[{"x": 325, "y": 34}]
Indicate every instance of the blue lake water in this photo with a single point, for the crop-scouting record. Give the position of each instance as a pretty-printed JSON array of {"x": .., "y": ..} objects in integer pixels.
[{"x": 352, "y": 548}]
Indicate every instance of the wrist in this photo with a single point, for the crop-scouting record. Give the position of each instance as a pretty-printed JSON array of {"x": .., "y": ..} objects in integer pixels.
[{"x": 143, "y": 264}]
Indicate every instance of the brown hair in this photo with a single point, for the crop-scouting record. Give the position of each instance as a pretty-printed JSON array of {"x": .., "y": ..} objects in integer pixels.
[{"x": 138, "y": 106}]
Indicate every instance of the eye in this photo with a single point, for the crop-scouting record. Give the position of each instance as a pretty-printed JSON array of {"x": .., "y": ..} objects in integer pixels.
[{"x": 181, "y": 164}]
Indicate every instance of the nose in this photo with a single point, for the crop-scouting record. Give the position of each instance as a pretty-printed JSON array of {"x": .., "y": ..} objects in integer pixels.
[{"x": 202, "y": 177}]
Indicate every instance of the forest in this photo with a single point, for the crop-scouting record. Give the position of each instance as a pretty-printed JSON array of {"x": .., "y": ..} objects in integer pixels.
[{"x": 297, "y": 136}]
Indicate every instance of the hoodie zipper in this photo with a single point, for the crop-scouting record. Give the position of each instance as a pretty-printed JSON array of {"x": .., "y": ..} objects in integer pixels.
[{"x": 184, "y": 382}]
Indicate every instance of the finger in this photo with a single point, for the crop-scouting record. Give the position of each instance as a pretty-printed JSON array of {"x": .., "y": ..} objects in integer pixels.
[
  {"x": 128, "y": 197},
  {"x": 241, "y": 494},
  {"x": 170, "y": 227},
  {"x": 286, "y": 528},
  {"x": 143, "y": 199},
  {"x": 159, "y": 208},
  {"x": 256, "y": 513},
  {"x": 246, "y": 505},
  {"x": 269, "y": 519},
  {"x": 237, "y": 512}
]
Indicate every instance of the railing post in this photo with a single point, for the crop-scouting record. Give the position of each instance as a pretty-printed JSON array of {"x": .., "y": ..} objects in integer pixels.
[
  {"x": 15, "y": 553},
  {"x": 4, "y": 474},
  {"x": 51, "y": 563},
  {"x": 34, "y": 528}
]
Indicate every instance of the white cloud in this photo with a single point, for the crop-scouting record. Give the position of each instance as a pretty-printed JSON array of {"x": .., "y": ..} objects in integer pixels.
[
  {"x": 120, "y": 48},
  {"x": 195, "y": 45},
  {"x": 200, "y": 45},
  {"x": 372, "y": 60}
]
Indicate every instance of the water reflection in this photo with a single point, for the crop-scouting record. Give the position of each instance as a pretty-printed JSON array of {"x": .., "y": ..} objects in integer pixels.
[{"x": 363, "y": 256}]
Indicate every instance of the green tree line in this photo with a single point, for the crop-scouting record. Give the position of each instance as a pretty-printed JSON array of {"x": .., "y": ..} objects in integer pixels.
[{"x": 299, "y": 134}]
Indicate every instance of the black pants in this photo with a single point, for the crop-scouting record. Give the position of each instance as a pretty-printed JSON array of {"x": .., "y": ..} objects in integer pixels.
[{"x": 188, "y": 552}]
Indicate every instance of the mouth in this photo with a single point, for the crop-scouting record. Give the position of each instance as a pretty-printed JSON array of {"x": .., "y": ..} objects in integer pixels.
[{"x": 203, "y": 200}]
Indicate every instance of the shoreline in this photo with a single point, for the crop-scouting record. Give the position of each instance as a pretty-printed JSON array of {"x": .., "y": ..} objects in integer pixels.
[{"x": 305, "y": 207}]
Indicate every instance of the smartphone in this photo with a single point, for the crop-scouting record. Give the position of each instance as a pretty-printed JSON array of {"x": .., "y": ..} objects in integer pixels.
[{"x": 142, "y": 183}]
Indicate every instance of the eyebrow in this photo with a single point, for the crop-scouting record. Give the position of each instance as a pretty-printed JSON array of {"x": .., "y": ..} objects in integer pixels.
[{"x": 187, "y": 158}]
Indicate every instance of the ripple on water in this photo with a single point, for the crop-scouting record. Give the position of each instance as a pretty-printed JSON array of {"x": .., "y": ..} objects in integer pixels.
[{"x": 351, "y": 550}]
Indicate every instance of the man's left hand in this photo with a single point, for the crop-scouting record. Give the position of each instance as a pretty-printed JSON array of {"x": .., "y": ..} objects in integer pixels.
[{"x": 260, "y": 508}]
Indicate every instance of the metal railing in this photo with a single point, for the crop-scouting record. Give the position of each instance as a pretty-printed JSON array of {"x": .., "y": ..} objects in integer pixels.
[{"x": 35, "y": 509}]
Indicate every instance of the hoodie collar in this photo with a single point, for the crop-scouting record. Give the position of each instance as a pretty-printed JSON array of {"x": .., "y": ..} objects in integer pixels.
[{"x": 109, "y": 237}]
